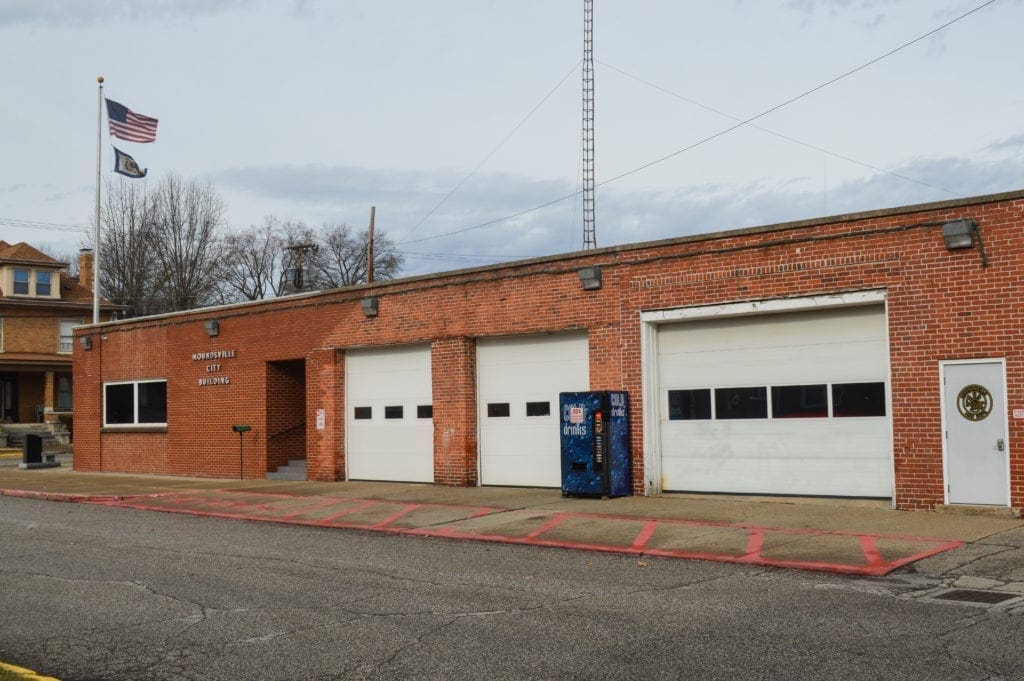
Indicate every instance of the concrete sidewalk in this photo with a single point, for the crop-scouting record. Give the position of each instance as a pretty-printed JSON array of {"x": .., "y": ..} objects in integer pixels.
[{"x": 851, "y": 537}]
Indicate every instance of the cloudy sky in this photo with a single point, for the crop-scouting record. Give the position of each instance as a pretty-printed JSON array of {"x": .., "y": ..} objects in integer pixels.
[{"x": 451, "y": 114}]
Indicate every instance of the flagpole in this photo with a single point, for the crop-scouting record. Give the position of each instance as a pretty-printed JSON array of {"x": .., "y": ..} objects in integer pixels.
[{"x": 96, "y": 227}]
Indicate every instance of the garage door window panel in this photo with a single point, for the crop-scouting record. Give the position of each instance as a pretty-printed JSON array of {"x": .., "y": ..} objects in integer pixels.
[
  {"x": 538, "y": 409},
  {"x": 689, "y": 405},
  {"x": 741, "y": 403},
  {"x": 363, "y": 413},
  {"x": 799, "y": 401},
  {"x": 858, "y": 399},
  {"x": 394, "y": 412},
  {"x": 498, "y": 409},
  {"x": 425, "y": 411}
]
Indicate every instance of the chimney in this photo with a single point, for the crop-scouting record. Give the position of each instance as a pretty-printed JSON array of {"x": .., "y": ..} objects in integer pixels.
[{"x": 85, "y": 267}]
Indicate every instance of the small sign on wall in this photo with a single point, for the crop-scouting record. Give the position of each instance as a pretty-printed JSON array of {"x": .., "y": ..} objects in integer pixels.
[
  {"x": 1018, "y": 413},
  {"x": 321, "y": 419}
]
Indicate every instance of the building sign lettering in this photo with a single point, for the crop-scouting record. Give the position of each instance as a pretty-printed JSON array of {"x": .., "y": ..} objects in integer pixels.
[{"x": 214, "y": 367}]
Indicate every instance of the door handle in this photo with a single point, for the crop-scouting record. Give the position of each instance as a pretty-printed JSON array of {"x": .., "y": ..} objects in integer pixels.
[{"x": 1000, "y": 444}]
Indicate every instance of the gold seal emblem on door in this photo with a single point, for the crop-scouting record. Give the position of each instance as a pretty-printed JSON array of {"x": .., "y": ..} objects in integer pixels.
[{"x": 974, "y": 402}]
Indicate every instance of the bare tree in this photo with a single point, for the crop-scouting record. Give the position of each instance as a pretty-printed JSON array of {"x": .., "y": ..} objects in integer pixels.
[
  {"x": 261, "y": 262},
  {"x": 129, "y": 274},
  {"x": 187, "y": 220},
  {"x": 251, "y": 261},
  {"x": 341, "y": 260}
]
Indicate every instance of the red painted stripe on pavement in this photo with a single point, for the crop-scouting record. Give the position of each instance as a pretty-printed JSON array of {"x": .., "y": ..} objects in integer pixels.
[
  {"x": 876, "y": 565},
  {"x": 645, "y": 534},
  {"x": 944, "y": 546},
  {"x": 321, "y": 504},
  {"x": 872, "y": 556},
  {"x": 396, "y": 515},
  {"x": 365, "y": 503},
  {"x": 755, "y": 542},
  {"x": 547, "y": 526}
]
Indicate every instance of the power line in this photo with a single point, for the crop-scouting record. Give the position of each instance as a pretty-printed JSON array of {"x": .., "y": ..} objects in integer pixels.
[
  {"x": 779, "y": 134},
  {"x": 743, "y": 122},
  {"x": 34, "y": 224},
  {"x": 495, "y": 150},
  {"x": 800, "y": 96}
]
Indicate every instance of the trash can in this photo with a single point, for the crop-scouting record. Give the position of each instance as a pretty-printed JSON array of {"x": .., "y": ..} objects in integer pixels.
[
  {"x": 595, "y": 443},
  {"x": 32, "y": 450}
]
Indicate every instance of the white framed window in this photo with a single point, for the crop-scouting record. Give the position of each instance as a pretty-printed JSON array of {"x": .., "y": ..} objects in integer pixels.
[
  {"x": 135, "y": 403},
  {"x": 67, "y": 338}
]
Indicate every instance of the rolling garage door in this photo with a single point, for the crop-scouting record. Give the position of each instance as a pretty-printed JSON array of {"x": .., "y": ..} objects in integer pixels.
[
  {"x": 389, "y": 429},
  {"x": 518, "y": 381},
  {"x": 787, "y": 403}
]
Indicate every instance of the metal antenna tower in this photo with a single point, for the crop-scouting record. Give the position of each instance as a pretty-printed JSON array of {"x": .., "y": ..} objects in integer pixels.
[{"x": 589, "y": 226}]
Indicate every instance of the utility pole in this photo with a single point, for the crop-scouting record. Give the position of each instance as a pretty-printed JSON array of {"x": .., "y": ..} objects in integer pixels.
[
  {"x": 296, "y": 275},
  {"x": 369, "y": 247},
  {"x": 589, "y": 225}
]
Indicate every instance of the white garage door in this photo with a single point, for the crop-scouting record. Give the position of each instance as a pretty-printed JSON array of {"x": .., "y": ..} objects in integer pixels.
[
  {"x": 518, "y": 381},
  {"x": 389, "y": 428},
  {"x": 789, "y": 403}
]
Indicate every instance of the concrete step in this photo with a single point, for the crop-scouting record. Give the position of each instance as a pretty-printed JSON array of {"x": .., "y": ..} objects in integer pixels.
[
  {"x": 16, "y": 433},
  {"x": 295, "y": 469}
]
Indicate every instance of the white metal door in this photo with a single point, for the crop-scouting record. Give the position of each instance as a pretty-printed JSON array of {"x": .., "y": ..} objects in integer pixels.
[
  {"x": 808, "y": 362},
  {"x": 974, "y": 408},
  {"x": 518, "y": 381},
  {"x": 389, "y": 429}
]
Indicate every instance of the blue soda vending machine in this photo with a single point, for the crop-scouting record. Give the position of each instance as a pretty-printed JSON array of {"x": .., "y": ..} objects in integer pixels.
[{"x": 595, "y": 443}]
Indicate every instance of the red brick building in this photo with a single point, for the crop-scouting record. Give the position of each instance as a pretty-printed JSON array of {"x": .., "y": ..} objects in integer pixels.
[{"x": 877, "y": 354}]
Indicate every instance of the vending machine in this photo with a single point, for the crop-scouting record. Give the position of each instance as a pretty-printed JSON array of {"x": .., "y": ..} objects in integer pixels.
[{"x": 595, "y": 443}]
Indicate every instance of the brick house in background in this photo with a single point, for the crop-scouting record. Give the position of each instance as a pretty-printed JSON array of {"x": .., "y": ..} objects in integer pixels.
[{"x": 39, "y": 306}]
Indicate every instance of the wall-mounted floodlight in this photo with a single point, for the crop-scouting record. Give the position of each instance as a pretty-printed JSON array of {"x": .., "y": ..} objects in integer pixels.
[
  {"x": 212, "y": 327},
  {"x": 370, "y": 305},
  {"x": 960, "y": 234},
  {"x": 85, "y": 342},
  {"x": 590, "y": 278}
]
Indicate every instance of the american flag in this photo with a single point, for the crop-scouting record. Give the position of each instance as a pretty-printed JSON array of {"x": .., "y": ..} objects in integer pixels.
[{"x": 128, "y": 125}]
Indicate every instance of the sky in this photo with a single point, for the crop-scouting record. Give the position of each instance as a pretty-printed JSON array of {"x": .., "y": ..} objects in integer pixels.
[{"x": 450, "y": 116}]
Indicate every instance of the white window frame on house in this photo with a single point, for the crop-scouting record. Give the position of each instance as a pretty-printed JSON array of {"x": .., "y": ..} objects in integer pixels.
[
  {"x": 135, "y": 423},
  {"x": 66, "y": 346}
]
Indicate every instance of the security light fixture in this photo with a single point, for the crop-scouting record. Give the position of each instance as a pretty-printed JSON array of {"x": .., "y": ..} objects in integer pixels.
[
  {"x": 370, "y": 305},
  {"x": 959, "y": 234},
  {"x": 85, "y": 342},
  {"x": 590, "y": 278},
  {"x": 212, "y": 327}
]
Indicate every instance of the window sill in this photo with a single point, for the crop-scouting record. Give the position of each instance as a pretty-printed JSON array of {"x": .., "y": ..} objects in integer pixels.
[{"x": 133, "y": 429}]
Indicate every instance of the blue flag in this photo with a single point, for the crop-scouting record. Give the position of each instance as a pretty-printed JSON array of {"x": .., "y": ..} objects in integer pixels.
[{"x": 126, "y": 165}]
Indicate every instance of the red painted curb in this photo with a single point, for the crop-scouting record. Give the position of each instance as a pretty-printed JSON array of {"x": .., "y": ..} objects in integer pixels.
[{"x": 874, "y": 563}]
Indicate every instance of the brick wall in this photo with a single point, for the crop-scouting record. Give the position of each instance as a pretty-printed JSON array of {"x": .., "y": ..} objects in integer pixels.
[
  {"x": 941, "y": 305},
  {"x": 30, "y": 331}
]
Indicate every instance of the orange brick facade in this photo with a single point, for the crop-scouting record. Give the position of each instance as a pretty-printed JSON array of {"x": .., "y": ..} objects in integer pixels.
[{"x": 941, "y": 305}]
